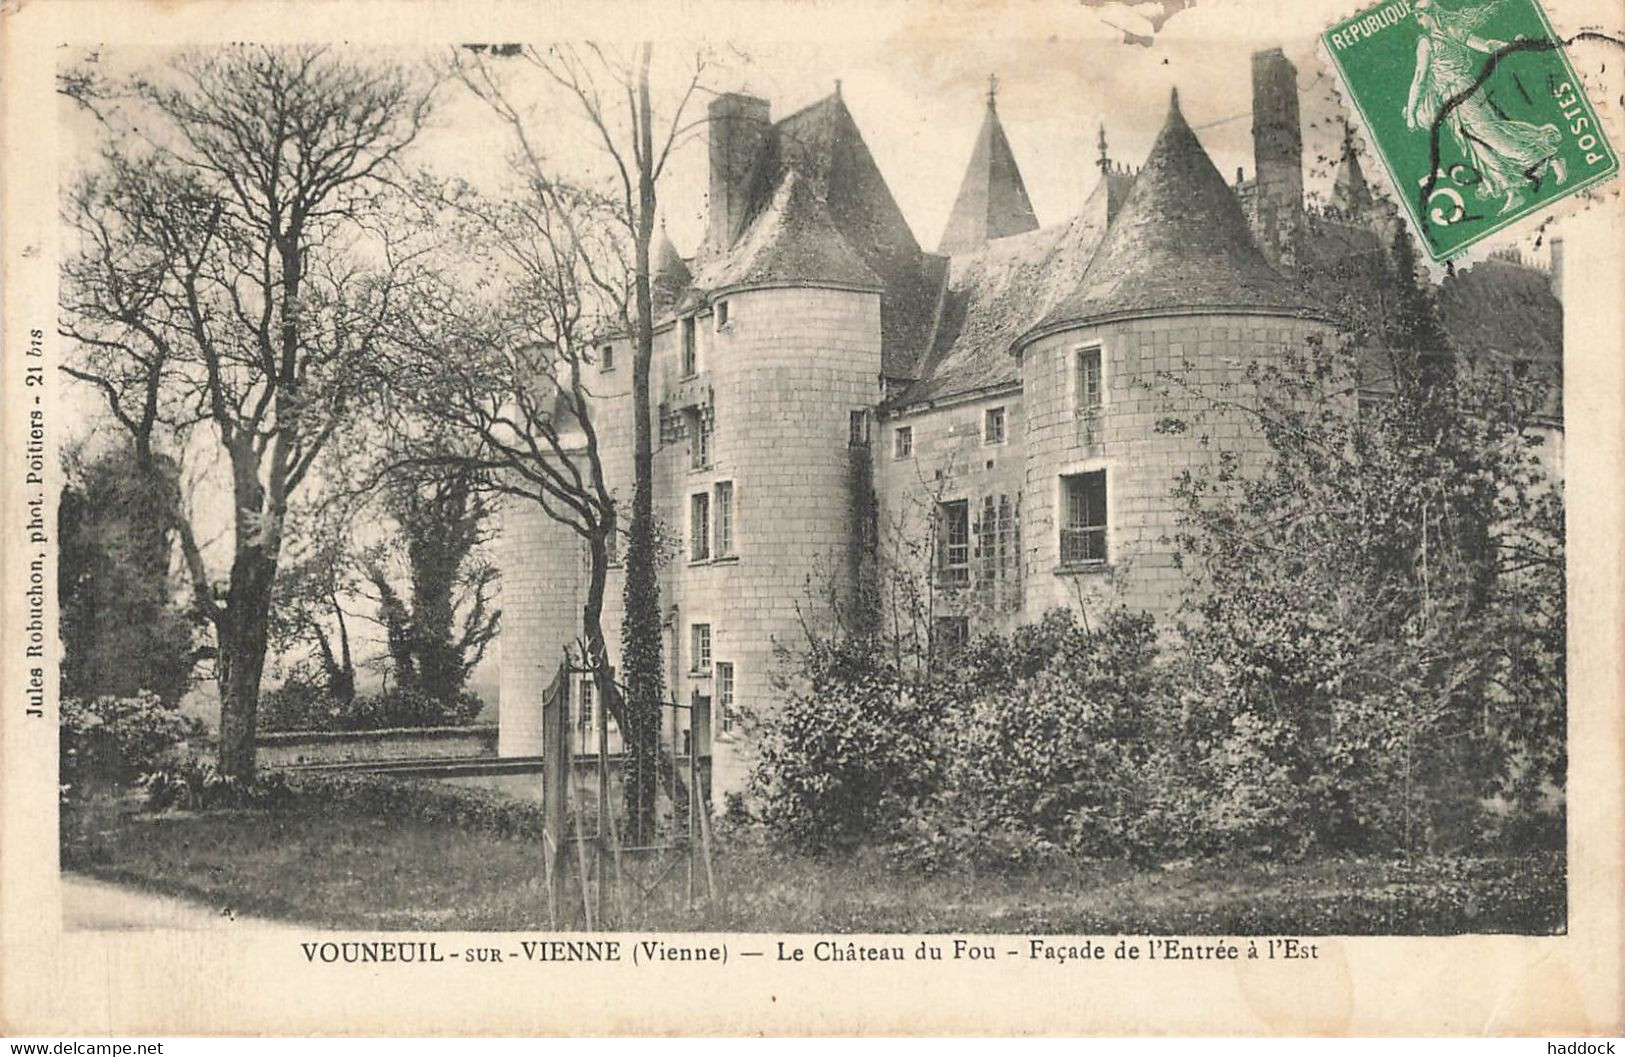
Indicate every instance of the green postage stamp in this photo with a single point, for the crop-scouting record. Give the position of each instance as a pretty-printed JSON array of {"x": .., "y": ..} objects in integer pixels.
[{"x": 1475, "y": 109}]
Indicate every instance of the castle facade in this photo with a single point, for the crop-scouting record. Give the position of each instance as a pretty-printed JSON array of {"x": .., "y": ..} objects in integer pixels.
[{"x": 826, "y": 389}]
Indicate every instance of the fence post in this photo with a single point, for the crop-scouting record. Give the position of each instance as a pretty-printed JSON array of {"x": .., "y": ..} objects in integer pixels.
[
  {"x": 603, "y": 796},
  {"x": 556, "y": 781}
]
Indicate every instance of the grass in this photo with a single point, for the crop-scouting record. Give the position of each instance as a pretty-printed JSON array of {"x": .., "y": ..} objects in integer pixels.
[{"x": 361, "y": 872}]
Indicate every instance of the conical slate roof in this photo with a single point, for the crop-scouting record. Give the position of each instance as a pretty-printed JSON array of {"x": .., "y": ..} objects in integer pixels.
[
  {"x": 793, "y": 241},
  {"x": 671, "y": 275},
  {"x": 1350, "y": 192},
  {"x": 1180, "y": 242},
  {"x": 992, "y": 202}
]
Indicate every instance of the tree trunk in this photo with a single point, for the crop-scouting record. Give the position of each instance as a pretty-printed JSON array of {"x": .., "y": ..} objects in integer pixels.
[
  {"x": 640, "y": 630},
  {"x": 243, "y": 630}
]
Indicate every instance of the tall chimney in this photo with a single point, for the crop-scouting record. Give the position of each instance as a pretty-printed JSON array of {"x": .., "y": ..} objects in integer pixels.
[
  {"x": 1277, "y": 155},
  {"x": 739, "y": 127}
]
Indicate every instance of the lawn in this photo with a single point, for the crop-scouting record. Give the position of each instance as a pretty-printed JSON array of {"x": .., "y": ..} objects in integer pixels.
[{"x": 367, "y": 872}]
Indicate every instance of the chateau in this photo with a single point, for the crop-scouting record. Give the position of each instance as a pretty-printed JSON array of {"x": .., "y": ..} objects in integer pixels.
[{"x": 825, "y": 387}]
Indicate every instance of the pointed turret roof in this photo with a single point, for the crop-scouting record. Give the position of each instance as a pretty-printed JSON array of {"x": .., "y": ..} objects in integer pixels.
[
  {"x": 671, "y": 275},
  {"x": 992, "y": 202},
  {"x": 793, "y": 241},
  {"x": 1350, "y": 192},
  {"x": 1180, "y": 242}
]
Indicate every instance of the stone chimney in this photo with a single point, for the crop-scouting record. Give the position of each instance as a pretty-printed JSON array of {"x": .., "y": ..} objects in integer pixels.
[
  {"x": 1277, "y": 156},
  {"x": 739, "y": 126}
]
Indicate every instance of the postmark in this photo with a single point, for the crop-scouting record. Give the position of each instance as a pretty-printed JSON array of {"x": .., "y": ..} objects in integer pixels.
[{"x": 1475, "y": 110}]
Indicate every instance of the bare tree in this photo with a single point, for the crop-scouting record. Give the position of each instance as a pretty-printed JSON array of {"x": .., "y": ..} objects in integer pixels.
[
  {"x": 613, "y": 92},
  {"x": 485, "y": 381},
  {"x": 239, "y": 246}
]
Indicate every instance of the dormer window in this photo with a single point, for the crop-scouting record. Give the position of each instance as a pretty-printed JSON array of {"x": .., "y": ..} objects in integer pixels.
[{"x": 690, "y": 361}]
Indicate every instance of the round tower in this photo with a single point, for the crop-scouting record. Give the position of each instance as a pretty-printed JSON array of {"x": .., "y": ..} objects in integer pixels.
[
  {"x": 780, "y": 399},
  {"x": 1177, "y": 301}
]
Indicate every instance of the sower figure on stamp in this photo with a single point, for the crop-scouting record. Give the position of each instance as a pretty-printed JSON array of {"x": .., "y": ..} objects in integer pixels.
[{"x": 1505, "y": 152}]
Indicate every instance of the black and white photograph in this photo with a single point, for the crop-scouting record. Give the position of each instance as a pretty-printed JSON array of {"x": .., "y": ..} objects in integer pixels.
[{"x": 974, "y": 490}]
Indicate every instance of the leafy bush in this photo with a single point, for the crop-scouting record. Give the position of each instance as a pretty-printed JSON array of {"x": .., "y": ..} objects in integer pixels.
[
  {"x": 196, "y": 784},
  {"x": 854, "y": 746},
  {"x": 1021, "y": 749},
  {"x": 1049, "y": 759},
  {"x": 302, "y": 706},
  {"x": 298, "y": 705},
  {"x": 404, "y": 799},
  {"x": 116, "y": 739}
]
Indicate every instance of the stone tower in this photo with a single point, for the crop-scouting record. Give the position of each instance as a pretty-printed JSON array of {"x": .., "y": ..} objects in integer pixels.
[{"x": 1177, "y": 285}]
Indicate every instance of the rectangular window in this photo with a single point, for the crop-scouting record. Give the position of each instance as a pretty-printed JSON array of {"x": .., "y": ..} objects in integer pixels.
[
  {"x": 950, "y": 633},
  {"x": 606, "y": 358},
  {"x": 993, "y": 426},
  {"x": 722, "y": 314},
  {"x": 986, "y": 533},
  {"x": 700, "y": 647},
  {"x": 690, "y": 359},
  {"x": 699, "y": 441},
  {"x": 1086, "y": 390},
  {"x": 699, "y": 527},
  {"x": 858, "y": 436},
  {"x": 1083, "y": 525},
  {"x": 725, "y": 519},
  {"x": 903, "y": 442},
  {"x": 953, "y": 542},
  {"x": 725, "y": 696},
  {"x": 587, "y": 689}
]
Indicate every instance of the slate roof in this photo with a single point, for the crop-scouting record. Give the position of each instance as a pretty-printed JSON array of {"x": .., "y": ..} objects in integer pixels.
[
  {"x": 992, "y": 201},
  {"x": 1180, "y": 242},
  {"x": 820, "y": 212},
  {"x": 1170, "y": 237},
  {"x": 671, "y": 275},
  {"x": 794, "y": 241},
  {"x": 994, "y": 294},
  {"x": 1350, "y": 191}
]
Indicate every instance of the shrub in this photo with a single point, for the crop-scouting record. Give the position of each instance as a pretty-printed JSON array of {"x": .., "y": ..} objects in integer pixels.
[
  {"x": 1021, "y": 749},
  {"x": 298, "y": 705},
  {"x": 116, "y": 739},
  {"x": 405, "y": 799},
  {"x": 196, "y": 784},
  {"x": 854, "y": 746},
  {"x": 302, "y": 706},
  {"x": 1050, "y": 760}
]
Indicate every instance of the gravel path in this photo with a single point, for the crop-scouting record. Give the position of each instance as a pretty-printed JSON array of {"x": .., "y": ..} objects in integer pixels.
[{"x": 91, "y": 904}]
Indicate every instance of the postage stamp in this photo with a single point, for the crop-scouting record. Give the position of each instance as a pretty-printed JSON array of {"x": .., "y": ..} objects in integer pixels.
[{"x": 1475, "y": 109}]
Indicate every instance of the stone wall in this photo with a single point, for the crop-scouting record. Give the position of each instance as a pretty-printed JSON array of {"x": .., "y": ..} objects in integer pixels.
[
  {"x": 291, "y": 748},
  {"x": 951, "y": 459}
]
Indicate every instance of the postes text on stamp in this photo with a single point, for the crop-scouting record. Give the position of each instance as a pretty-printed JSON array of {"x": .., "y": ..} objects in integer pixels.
[{"x": 1475, "y": 109}]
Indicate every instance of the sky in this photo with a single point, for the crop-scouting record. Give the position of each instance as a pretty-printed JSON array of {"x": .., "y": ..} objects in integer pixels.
[{"x": 918, "y": 100}]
